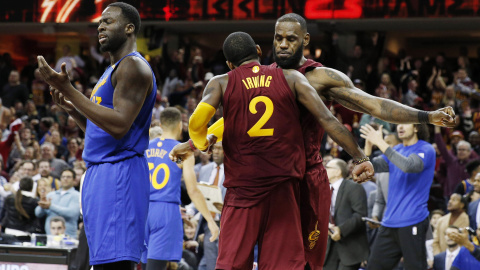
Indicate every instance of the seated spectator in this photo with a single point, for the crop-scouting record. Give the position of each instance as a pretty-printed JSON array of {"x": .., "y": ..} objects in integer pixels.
[
  {"x": 444, "y": 260},
  {"x": 466, "y": 186},
  {"x": 71, "y": 155},
  {"x": 45, "y": 171},
  {"x": 64, "y": 203},
  {"x": 457, "y": 206},
  {"x": 79, "y": 171},
  {"x": 27, "y": 168},
  {"x": 57, "y": 225},
  {"x": 20, "y": 208},
  {"x": 468, "y": 257},
  {"x": 435, "y": 215},
  {"x": 58, "y": 165}
]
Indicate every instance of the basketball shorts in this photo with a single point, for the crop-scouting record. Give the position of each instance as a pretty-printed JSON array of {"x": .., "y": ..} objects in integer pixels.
[
  {"x": 163, "y": 232},
  {"x": 274, "y": 222},
  {"x": 115, "y": 199},
  {"x": 315, "y": 197}
]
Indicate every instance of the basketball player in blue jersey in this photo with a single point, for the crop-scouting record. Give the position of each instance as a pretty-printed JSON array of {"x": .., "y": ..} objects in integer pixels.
[
  {"x": 164, "y": 230},
  {"x": 116, "y": 121}
]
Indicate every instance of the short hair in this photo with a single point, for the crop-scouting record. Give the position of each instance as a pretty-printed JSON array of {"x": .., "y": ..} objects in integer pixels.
[
  {"x": 422, "y": 132},
  {"x": 69, "y": 170},
  {"x": 294, "y": 17},
  {"x": 49, "y": 145},
  {"x": 472, "y": 166},
  {"x": 29, "y": 161},
  {"x": 155, "y": 132},
  {"x": 239, "y": 47},
  {"x": 170, "y": 117},
  {"x": 463, "y": 142},
  {"x": 437, "y": 211},
  {"x": 41, "y": 161},
  {"x": 57, "y": 219},
  {"x": 130, "y": 13},
  {"x": 342, "y": 165},
  {"x": 26, "y": 183}
]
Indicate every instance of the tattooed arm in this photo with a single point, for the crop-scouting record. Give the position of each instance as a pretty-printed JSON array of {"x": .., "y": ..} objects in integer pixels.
[
  {"x": 307, "y": 97},
  {"x": 333, "y": 84}
]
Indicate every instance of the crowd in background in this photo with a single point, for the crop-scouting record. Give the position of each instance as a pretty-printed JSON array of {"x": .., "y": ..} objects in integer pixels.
[{"x": 41, "y": 146}]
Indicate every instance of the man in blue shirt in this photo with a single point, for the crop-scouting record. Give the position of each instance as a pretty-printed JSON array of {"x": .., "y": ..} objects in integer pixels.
[
  {"x": 63, "y": 202},
  {"x": 405, "y": 222}
]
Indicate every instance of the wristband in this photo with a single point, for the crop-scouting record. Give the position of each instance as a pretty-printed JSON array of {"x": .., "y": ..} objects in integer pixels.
[
  {"x": 356, "y": 162},
  {"x": 423, "y": 117},
  {"x": 192, "y": 146}
]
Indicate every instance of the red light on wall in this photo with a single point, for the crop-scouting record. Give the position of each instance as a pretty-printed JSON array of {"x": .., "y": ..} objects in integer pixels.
[{"x": 322, "y": 9}]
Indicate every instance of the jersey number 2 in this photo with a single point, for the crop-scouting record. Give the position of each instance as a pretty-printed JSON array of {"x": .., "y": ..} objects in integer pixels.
[
  {"x": 153, "y": 176},
  {"x": 257, "y": 130}
]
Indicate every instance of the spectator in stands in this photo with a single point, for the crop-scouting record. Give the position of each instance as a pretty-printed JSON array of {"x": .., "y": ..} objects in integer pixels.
[
  {"x": 435, "y": 215},
  {"x": 211, "y": 174},
  {"x": 27, "y": 168},
  {"x": 72, "y": 153},
  {"x": 474, "y": 139},
  {"x": 14, "y": 90},
  {"x": 347, "y": 246},
  {"x": 57, "y": 165},
  {"x": 72, "y": 61},
  {"x": 411, "y": 95},
  {"x": 57, "y": 225},
  {"x": 204, "y": 160},
  {"x": 64, "y": 203},
  {"x": 468, "y": 257},
  {"x": 45, "y": 171},
  {"x": 20, "y": 209},
  {"x": 458, "y": 217},
  {"x": 405, "y": 223},
  {"x": 466, "y": 186},
  {"x": 444, "y": 260},
  {"x": 463, "y": 83},
  {"x": 454, "y": 164},
  {"x": 473, "y": 209},
  {"x": 79, "y": 169}
]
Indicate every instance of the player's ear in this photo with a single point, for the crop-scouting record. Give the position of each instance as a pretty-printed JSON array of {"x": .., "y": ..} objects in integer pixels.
[
  {"x": 306, "y": 39},
  {"x": 259, "y": 50},
  {"x": 130, "y": 28},
  {"x": 230, "y": 65}
]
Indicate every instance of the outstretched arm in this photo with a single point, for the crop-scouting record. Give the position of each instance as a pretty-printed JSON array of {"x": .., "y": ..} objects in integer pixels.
[
  {"x": 335, "y": 85},
  {"x": 197, "y": 197},
  {"x": 132, "y": 82},
  {"x": 307, "y": 96}
]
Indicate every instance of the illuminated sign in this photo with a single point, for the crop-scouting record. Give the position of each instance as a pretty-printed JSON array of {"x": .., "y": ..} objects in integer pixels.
[{"x": 61, "y": 11}]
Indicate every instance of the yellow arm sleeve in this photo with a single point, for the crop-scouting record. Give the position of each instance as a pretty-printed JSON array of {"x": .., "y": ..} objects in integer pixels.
[
  {"x": 197, "y": 126},
  {"x": 217, "y": 129}
]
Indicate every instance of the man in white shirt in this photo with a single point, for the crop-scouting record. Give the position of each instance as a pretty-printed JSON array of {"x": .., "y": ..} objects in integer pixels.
[{"x": 444, "y": 260}]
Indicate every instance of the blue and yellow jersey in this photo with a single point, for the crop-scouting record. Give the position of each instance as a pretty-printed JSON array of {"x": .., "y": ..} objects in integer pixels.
[
  {"x": 101, "y": 147},
  {"x": 165, "y": 175}
]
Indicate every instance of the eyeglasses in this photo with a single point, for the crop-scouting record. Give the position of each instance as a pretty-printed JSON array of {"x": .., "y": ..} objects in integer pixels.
[{"x": 66, "y": 177}]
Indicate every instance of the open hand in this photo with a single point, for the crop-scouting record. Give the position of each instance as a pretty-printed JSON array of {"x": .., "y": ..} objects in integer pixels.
[
  {"x": 370, "y": 134},
  {"x": 50, "y": 76},
  {"x": 60, "y": 100}
]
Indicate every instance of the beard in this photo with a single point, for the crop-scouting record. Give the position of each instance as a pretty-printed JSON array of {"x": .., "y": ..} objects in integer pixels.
[
  {"x": 112, "y": 44},
  {"x": 290, "y": 62}
]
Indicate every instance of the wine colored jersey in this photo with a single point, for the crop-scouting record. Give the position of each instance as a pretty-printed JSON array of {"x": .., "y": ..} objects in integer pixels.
[
  {"x": 263, "y": 143},
  {"x": 101, "y": 147},
  {"x": 311, "y": 129}
]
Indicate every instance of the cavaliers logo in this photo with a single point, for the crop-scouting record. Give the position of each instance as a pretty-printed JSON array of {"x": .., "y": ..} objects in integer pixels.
[
  {"x": 256, "y": 69},
  {"x": 313, "y": 237}
]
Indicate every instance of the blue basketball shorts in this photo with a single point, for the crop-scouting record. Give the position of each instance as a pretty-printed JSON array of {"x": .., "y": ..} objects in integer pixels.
[{"x": 115, "y": 199}]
